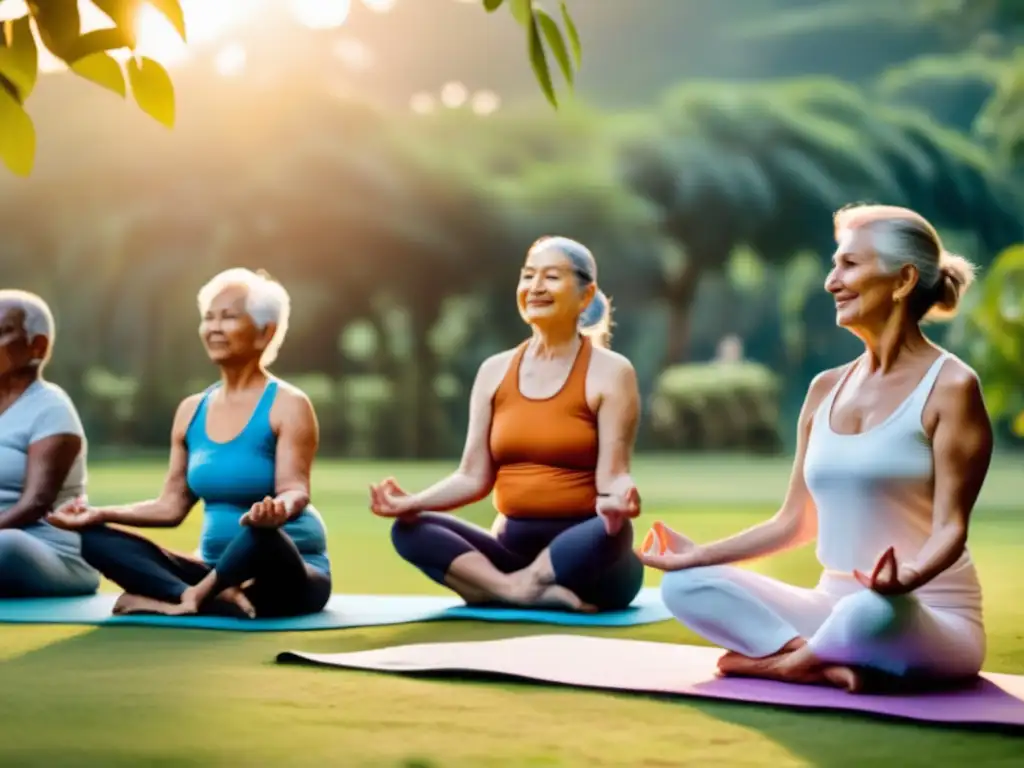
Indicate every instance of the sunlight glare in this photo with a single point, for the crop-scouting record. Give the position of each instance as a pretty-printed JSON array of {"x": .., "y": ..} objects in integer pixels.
[
  {"x": 381, "y": 6},
  {"x": 353, "y": 53},
  {"x": 422, "y": 103},
  {"x": 484, "y": 103},
  {"x": 321, "y": 14},
  {"x": 230, "y": 60},
  {"x": 205, "y": 20},
  {"x": 454, "y": 95}
]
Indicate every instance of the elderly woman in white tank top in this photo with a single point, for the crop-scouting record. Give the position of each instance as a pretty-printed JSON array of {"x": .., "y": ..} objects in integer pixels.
[{"x": 892, "y": 452}]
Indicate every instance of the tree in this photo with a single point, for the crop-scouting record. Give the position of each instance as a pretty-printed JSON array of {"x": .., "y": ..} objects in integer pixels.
[
  {"x": 765, "y": 167},
  {"x": 57, "y": 23}
]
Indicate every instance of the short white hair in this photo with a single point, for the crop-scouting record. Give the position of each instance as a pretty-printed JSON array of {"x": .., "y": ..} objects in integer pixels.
[
  {"x": 266, "y": 301},
  {"x": 37, "y": 319}
]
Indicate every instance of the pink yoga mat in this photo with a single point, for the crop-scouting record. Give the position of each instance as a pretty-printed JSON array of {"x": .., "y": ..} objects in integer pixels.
[{"x": 682, "y": 670}]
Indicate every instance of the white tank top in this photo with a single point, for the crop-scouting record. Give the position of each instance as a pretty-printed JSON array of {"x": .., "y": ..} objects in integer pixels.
[{"x": 874, "y": 490}]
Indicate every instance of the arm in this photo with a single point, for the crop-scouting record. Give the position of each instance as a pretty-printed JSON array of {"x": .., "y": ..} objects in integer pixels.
[
  {"x": 617, "y": 419},
  {"x": 171, "y": 508},
  {"x": 298, "y": 439},
  {"x": 796, "y": 522},
  {"x": 962, "y": 450},
  {"x": 49, "y": 461},
  {"x": 474, "y": 478}
]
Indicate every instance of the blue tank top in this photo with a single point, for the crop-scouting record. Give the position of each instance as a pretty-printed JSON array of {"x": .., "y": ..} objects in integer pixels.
[{"x": 230, "y": 477}]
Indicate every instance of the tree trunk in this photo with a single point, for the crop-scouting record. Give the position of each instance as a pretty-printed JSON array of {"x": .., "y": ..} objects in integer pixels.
[{"x": 680, "y": 295}]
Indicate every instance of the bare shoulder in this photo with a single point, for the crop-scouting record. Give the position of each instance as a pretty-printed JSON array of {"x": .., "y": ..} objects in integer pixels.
[
  {"x": 612, "y": 367},
  {"x": 493, "y": 369},
  {"x": 186, "y": 410},
  {"x": 957, "y": 387},
  {"x": 292, "y": 402},
  {"x": 819, "y": 388},
  {"x": 824, "y": 383}
]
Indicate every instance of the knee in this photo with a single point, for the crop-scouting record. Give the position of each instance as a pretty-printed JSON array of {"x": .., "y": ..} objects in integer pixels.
[
  {"x": 867, "y": 616},
  {"x": 15, "y": 548},
  {"x": 680, "y": 588},
  {"x": 405, "y": 535}
]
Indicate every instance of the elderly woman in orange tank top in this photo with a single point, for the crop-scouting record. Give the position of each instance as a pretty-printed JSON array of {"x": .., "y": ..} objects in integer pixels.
[{"x": 551, "y": 430}]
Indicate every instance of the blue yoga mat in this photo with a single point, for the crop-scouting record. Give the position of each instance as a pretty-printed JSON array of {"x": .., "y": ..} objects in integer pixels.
[{"x": 342, "y": 611}]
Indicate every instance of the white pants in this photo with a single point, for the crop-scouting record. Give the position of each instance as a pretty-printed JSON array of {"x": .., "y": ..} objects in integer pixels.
[{"x": 843, "y": 622}]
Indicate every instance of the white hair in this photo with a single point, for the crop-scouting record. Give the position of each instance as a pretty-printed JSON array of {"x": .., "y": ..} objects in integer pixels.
[
  {"x": 596, "y": 319},
  {"x": 905, "y": 238},
  {"x": 266, "y": 301},
  {"x": 37, "y": 319}
]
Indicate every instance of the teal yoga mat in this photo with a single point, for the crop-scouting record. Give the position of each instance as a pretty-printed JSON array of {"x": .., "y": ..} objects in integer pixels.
[{"x": 342, "y": 611}]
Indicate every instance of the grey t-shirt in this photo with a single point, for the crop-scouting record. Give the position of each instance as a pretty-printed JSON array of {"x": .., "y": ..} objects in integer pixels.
[{"x": 43, "y": 410}]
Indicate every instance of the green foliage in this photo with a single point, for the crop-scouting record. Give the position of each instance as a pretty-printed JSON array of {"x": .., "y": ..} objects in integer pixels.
[
  {"x": 993, "y": 335},
  {"x": 722, "y": 406},
  {"x": 59, "y": 27},
  {"x": 542, "y": 28},
  {"x": 58, "y": 23}
]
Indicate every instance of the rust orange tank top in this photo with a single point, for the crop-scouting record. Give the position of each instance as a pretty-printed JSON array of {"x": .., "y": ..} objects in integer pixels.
[{"x": 545, "y": 450}]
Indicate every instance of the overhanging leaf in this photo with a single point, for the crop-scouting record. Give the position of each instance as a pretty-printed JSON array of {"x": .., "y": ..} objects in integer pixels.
[
  {"x": 17, "y": 136},
  {"x": 539, "y": 63},
  {"x": 98, "y": 41},
  {"x": 521, "y": 10},
  {"x": 153, "y": 89},
  {"x": 124, "y": 14},
  {"x": 59, "y": 24},
  {"x": 573, "y": 34},
  {"x": 492, "y": 5},
  {"x": 102, "y": 69},
  {"x": 19, "y": 58},
  {"x": 171, "y": 9},
  {"x": 553, "y": 35}
]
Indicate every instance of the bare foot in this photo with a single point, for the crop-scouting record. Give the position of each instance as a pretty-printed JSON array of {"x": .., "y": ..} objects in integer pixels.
[
  {"x": 531, "y": 588},
  {"x": 847, "y": 678},
  {"x": 237, "y": 597},
  {"x": 128, "y": 604}
]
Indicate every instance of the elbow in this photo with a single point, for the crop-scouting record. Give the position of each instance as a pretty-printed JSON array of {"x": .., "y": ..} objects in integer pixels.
[
  {"x": 795, "y": 530},
  {"x": 479, "y": 485}
]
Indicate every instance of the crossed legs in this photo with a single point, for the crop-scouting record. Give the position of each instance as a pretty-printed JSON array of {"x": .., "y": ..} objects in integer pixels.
[
  {"x": 775, "y": 630},
  {"x": 568, "y": 563}
]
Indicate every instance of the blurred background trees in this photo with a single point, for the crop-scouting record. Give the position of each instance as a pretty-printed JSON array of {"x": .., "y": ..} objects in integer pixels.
[{"x": 392, "y": 171}]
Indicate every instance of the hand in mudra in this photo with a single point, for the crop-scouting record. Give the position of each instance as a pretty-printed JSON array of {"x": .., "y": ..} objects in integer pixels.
[
  {"x": 888, "y": 577},
  {"x": 75, "y": 515},
  {"x": 269, "y": 513},
  {"x": 667, "y": 550},
  {"x": 387, "y": 499}
]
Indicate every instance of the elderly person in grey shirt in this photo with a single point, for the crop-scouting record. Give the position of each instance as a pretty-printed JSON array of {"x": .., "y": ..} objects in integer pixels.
[{"x": 42, "y": 460}]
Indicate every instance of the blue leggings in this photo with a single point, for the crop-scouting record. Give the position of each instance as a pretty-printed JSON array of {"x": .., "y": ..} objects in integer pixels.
[{"x": 601, "y": 570}]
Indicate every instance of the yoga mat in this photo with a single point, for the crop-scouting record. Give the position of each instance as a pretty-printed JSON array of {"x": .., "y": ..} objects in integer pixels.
[
  {"x": 682, "y": 670},
  {"x": 342, "y": 611}
]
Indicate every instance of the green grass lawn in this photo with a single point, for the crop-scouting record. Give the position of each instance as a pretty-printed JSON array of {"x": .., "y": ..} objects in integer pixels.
[{"x": 144, "y": 696}]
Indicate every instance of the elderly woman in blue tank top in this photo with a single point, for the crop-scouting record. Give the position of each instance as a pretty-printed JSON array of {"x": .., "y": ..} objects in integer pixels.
[
  {"x": 245, "y": 448},
  {"x": 42, "y": 460},
  {"x": 892, "y": 452}
]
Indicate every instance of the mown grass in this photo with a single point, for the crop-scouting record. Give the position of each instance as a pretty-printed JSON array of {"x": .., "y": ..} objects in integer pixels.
[{"x": 145, "y": 696}]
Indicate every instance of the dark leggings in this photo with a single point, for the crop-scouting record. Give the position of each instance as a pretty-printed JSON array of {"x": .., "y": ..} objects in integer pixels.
[
  {"x": 599, "y": 569},
  {"x": 282, "y": 583}
]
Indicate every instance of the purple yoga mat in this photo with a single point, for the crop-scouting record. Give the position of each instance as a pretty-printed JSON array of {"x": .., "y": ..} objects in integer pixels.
[{"x": 683, "y": 670}]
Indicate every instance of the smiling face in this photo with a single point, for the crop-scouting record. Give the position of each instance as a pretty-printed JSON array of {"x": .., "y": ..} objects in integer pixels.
[
  {"x": 549, "y": 292},
  {"x": 228, "y": 331},
  {"x": 865, "y": 292}
]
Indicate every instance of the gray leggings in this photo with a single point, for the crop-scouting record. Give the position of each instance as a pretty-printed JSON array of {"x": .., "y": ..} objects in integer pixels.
[{"x": 30, "y": 567}]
